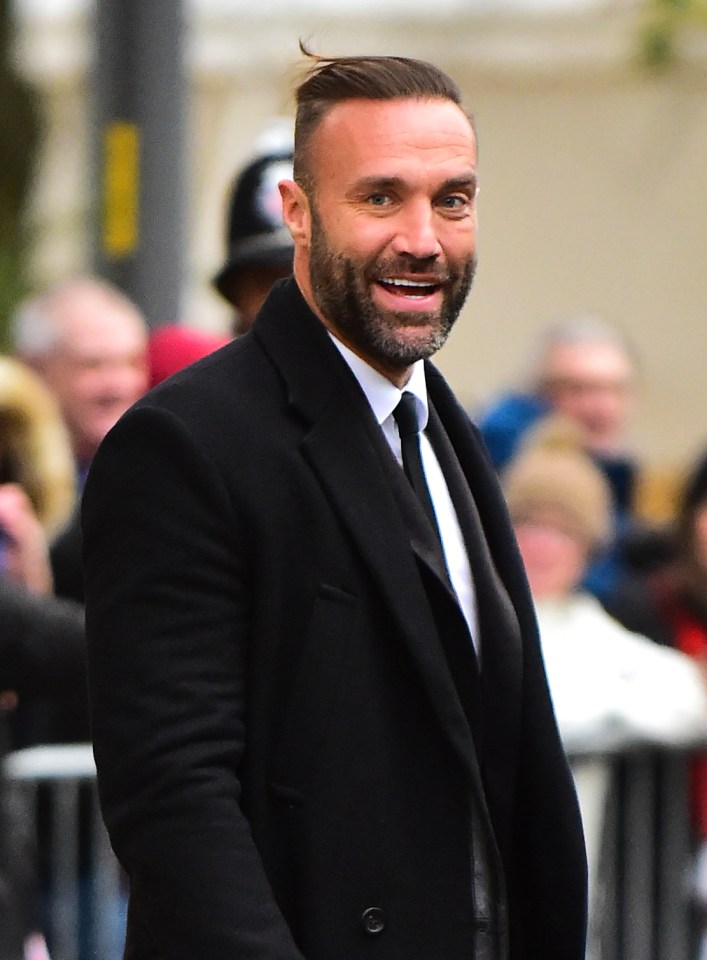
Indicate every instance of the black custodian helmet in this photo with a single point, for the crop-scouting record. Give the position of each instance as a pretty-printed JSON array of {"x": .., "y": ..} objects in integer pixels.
[{"x": 256, "y": 234}]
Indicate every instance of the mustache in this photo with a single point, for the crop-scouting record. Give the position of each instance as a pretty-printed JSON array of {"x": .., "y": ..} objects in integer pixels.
[{"x": 427, "y": 266}]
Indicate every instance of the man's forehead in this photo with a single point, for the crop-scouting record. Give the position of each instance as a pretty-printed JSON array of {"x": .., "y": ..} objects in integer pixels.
[
  {"x": 101, "y": 333},
  {"x": 366, "y": 130},
  {"x": 95, "y": 315},
  {"x": 600, "y": 358}
]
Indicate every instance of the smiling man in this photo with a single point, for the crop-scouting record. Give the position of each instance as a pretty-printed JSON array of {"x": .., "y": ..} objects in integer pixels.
[
  {"x": 321, "y": 720},
  {"x": 386, "y": 242}
]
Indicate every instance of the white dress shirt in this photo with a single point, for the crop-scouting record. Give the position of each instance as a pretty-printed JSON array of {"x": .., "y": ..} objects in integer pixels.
[{"x": 384, "y": 396}]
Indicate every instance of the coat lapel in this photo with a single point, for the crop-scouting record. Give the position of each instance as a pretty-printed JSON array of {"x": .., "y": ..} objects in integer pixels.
[
  {"x": 494, "y": 563},
  {"x": 345, "y": 448}
]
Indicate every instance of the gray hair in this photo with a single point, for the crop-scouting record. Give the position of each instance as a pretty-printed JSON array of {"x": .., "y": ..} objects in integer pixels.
[
  {"x": 582, "y": 328},
  {"x": 34, "y": 329}
]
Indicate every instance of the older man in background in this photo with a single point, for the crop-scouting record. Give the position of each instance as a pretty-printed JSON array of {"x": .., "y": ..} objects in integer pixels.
[
  {"x": 88, "y": 342},
  {"x": 583, "y": 369}
]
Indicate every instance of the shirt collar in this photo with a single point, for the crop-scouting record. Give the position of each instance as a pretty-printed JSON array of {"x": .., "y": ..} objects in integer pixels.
[{"x": 382, "y": 395}]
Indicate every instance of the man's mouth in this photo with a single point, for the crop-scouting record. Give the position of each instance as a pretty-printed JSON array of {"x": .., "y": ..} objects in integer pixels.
[{"x": 413, "y": 289}]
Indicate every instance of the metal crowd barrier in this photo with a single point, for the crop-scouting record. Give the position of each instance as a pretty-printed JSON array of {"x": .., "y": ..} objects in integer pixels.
[
  {"x": 646, "y": 907},
  {"x": 653, "y": 904},
  {"x": 647, "y": 910},
  {"x": 85, "y": 892}
]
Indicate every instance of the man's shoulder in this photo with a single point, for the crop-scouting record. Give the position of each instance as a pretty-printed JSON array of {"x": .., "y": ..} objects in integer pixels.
[
  {"x": 235, "y": 376},
  {"x": 216, "y": 406}
]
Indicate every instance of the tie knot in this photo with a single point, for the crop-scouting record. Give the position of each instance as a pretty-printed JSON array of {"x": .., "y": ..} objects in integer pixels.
[{"x": 406, "y": 415}]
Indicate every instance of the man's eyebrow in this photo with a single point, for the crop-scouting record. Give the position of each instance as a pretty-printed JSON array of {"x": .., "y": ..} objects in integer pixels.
[
  {"x": 464, "y": 182},
  {"x": 375, "y": 182}
]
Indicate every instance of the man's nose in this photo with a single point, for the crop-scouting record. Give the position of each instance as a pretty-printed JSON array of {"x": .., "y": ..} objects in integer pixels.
[{"x": 416, "y": 233}]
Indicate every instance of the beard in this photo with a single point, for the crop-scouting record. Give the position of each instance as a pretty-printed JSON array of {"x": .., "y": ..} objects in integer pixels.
[{"x": 342, "y": 290}]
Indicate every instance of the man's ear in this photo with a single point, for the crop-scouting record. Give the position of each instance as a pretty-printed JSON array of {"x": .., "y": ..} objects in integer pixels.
[{"x": 295, "y": 211}]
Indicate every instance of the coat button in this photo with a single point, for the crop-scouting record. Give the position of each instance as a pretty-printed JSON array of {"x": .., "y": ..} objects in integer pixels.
[{"x": 373, "y": 921}]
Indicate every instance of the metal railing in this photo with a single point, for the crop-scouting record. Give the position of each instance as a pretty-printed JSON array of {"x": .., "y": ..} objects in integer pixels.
[
  {"x": 647, "y": 908},
  {"x": 84, "y": 886},
  {"x": 646, "y": 911}
]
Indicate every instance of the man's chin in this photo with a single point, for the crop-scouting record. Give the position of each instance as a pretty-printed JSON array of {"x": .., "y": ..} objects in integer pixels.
[
  {"x": 403, "y": 351},
  {"x": 414, "y": 332}
]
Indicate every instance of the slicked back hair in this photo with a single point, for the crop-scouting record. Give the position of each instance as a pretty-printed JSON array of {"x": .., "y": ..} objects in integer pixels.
[{"x": 333, "y": 80}]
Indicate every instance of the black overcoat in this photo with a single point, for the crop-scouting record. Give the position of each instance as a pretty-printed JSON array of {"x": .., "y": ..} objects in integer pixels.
[{"x": 286, "y": 768}]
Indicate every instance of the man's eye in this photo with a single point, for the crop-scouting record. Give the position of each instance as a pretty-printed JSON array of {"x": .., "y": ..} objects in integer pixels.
[
  {"x": 455, "y": 202},
  {"x": 378, "y": 199}
]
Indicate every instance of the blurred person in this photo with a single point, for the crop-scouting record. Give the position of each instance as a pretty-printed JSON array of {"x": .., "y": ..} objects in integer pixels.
[
  {"x": 583, "y": 369},
  {"x": 610, "y": 686},
  {"x": 36, "y": 450},
  {"x": 42, "y": 652},
  {"x": 88, "y": 342},
  {"x": 37, "y": 477},
  {"x": 42, "y": 657},
  {"x": 259, "y": 247},
  {"x": 669, "y": 604},
  {"x": 297, "y": 754}
]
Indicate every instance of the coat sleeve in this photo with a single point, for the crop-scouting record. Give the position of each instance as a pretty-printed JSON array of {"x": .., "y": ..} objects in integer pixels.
[{"x": 167, "y": 628}]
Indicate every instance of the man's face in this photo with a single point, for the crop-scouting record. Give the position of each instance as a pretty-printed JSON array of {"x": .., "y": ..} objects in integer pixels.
[
  {"x": 390, "y": 250},
  {"x": 592, "y": 383},
  {"x": 99, "y": 367}
]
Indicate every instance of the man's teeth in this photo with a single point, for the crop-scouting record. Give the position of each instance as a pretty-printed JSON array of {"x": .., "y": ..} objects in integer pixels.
[{"x": 410, "y": 283}]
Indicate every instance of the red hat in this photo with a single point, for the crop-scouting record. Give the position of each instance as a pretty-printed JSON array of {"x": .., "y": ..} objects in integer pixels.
[{"x": 172, "y": 347}]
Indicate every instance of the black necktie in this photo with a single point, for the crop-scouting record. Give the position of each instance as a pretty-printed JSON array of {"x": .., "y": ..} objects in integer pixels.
[{"x": 406, "y": 418}]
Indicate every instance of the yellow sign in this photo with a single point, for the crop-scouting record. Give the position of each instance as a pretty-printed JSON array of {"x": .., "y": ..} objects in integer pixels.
[{"x": 121, "y": 189}]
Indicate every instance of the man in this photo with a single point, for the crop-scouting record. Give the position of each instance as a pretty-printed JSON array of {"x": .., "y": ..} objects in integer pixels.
[
  {"x": 582, "y": 369},
  {"x": 259, "y": 245},
  {"x": 587, "y": 374},
  {"x": 88, "y": 341},
  {"x": 297, "y": 754}
]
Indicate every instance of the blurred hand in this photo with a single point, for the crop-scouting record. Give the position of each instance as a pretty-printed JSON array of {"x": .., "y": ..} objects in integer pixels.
[{"x": 25, "y": 548}]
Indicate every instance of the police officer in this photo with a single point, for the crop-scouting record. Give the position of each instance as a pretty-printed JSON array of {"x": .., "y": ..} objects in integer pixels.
[{"x": 259, "y": 246}]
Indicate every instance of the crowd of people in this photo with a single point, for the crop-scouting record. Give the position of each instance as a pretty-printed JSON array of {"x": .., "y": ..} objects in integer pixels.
[
  {"x": 621, "y": 603},
  {"x": 621, "y": 598}
]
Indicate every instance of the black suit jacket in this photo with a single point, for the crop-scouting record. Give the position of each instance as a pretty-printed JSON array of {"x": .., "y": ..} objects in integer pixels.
[{"x": 286, "y": 765}]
